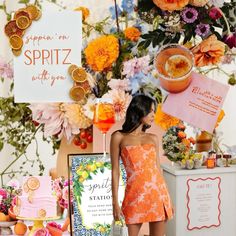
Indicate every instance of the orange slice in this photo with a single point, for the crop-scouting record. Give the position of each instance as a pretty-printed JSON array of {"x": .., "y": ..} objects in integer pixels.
[
  {"x": 42, "y": 213},
  {"x": 71, "y": 68},
  {"x": 79, "y": 74},
  {"x": 11, "y": 29},
  {"x": 21, "y": 12},
  {"x": 33, "y": 11},
  {"x": 85, "y": 85},
  {"x": 16, "y": 42},
  {"x": 39, "y": 15},
  {"x": 23, "y": 22},
  {"x": 77, "y": 93},
  {"x": 16, "y": 52},
  {"x": 25, "y": 188},
  {"x": 33, "y": 183}
]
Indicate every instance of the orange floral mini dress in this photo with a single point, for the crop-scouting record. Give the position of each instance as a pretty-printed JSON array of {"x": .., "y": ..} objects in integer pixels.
[{"x": 146, "y": 196}]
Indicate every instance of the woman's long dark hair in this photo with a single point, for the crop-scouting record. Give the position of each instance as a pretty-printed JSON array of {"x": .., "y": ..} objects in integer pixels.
[{"x": 139, "y": 107}]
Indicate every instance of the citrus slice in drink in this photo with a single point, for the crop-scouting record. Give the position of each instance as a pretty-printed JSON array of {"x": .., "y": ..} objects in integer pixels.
[
  {"x": 77, "y": 93},
  {"x": 16, "y": 52},
  {"x": 79, "y": 74},
  {"x": 16, "y": 42},
  {"x": 21, "y": 12},
  {"x": 33, "y": 11},
  {"x": 16, "y": 210},
  {"x": 177, "y": 66},
  {"x": 23, "y": 22},
  {"x": 11, "y": 29},
  {"x": 71, "y": 68},
  {"x": 33, "y": 183}
]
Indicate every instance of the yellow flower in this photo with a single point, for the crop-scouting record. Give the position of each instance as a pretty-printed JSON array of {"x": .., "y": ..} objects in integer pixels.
[
  {"x": 164, "y": 120},
  {"x": 85, "y": 12},
  {"x": 132, "y": 33},
  {"x": 220, "y": 118},
  {"x": 75, "y": 114},
  {"x": 102, "y": 52}
]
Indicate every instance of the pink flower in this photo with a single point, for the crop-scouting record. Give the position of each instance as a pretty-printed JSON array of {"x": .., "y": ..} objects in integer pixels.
[
  {"x": 120, "y": 100},
  {"x": 14, "y": 183},
  {"x": 6, "y": 71},
  {"x": 55, "y": 120},
  {"x": 119, "y": 84},
  {"x": 136, "y": 65},
  {"x": 215, "y": 13},
  {"x": 230, "y": 40},
  {"x": 41, "y": 232},
  {"x": 54, "y": 225},
  {"x": 3, "y": 193}
]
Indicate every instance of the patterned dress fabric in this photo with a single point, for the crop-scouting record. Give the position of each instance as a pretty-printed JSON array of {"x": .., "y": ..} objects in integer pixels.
[{"x": 146, "y": 196}]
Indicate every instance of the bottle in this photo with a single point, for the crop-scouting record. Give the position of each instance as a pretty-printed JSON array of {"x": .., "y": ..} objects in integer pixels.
[
  {"x": 211, "y": 160},
  {"x": 204, "y": 142}
]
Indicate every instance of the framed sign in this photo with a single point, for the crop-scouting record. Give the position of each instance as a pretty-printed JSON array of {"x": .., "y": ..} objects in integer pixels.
[
  {"x": 203, "y": 203},
  {"x": 51, "y": 44},
  {"x": 92, "y": 205}
]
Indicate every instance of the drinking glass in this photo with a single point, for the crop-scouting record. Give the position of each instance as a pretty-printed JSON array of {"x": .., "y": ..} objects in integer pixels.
[
  {"x": 174, "y": 64},
  {"x": 104, "y": 118}
]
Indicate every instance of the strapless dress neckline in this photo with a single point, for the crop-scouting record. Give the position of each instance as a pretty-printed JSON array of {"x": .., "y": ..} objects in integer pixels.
[{"x": 138, "y": 145}]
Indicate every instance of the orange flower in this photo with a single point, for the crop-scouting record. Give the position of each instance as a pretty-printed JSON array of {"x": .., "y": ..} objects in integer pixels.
[
  {"x": 164, "y": 120},
  {"x": 198, "y": 3},
  {"x": 181, "y": 135},
  {"x": 132, "y": 33},
  {"x": 102, "y": 52},
  {"x": 186, "y": 142},
  {"x": 220, "y": 118},
  {"x": 85, "y": 12},
  {"x": 171, "y": 5},
  {"x": 209, "y": 51}
]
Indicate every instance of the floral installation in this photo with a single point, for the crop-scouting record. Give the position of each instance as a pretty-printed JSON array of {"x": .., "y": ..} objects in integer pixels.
[
  {"x": 60, "y": 188},
  {"x": 178, "y": 148},
  {"x": 8, "y": 194}
]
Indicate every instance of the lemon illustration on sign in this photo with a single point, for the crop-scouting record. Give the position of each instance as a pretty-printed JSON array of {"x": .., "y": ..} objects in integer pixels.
[
  {"x": 99, "y": 164},
  {"x": 102, "y": 229},
  {"x": 85, "y": 174},
  {"x": 92, "y": 167},
  {"x": 81, "y": 179}
]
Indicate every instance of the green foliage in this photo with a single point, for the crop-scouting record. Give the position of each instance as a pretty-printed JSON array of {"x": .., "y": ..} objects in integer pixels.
[{"x": 18, "y": 130}]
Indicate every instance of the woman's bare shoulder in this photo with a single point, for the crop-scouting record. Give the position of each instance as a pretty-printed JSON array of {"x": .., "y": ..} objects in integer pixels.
[
  {"x": 117, "y": 136},
  {"x": 152, "y": 136}
]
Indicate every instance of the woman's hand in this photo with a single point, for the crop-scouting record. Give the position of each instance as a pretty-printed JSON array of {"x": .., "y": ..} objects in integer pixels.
[{"x": 117, "y": 213}]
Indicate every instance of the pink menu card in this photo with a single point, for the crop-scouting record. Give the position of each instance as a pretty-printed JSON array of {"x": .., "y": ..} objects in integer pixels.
[{"x": 200, "y": 104}]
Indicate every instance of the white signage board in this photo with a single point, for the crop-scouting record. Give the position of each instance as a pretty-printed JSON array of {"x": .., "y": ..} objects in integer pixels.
[{"x": 51, "y": 44}]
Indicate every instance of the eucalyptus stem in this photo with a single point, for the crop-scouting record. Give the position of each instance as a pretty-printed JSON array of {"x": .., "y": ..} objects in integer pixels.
[{"x": 19, "y": 155}]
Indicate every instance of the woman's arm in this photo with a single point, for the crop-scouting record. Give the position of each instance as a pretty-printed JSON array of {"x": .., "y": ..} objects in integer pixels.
[{"x": 115, "y": 155}]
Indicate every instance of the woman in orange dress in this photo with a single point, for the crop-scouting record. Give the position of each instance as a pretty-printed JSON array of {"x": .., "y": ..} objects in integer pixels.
[{"x": 146, "y": 196}]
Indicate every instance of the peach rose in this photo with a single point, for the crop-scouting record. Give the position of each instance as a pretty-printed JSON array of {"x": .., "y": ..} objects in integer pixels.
[
  {"x": 171, "y": 5},
  {"x": 198, "y": 3},
  {"x": 209, "y": 52}
]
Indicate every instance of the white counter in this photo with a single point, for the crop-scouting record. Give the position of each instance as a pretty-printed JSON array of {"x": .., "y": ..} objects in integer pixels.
[{"x": 204, "y": 201}]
